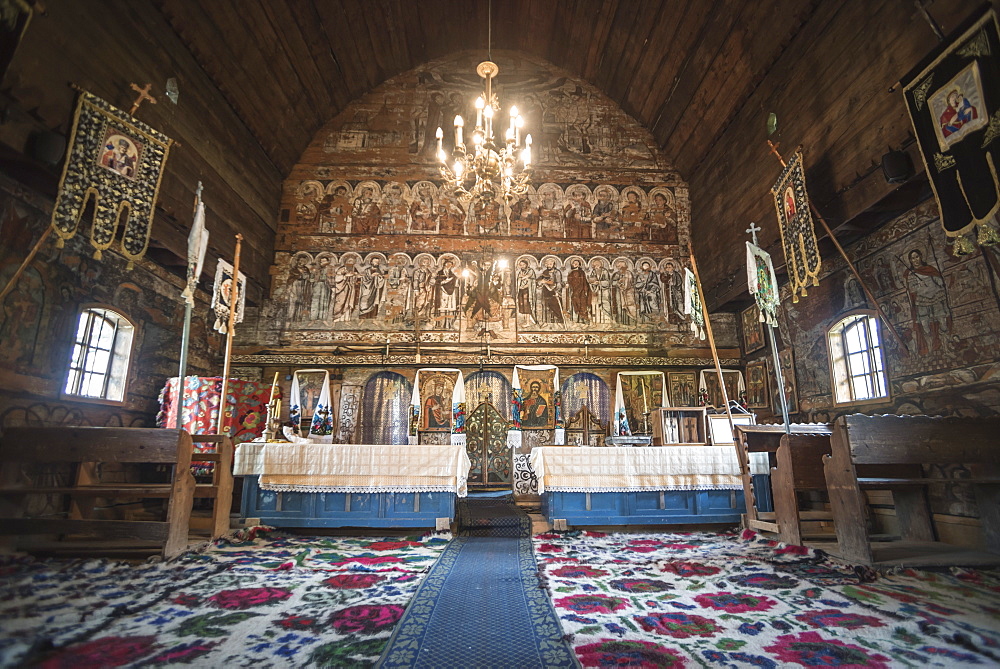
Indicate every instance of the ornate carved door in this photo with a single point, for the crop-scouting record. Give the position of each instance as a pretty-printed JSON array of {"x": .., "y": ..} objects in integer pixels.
[{"x": 486, "y": 443}]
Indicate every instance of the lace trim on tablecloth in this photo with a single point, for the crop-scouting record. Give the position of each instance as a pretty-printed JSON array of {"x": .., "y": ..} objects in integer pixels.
[
  {"x": 284, "y": 487},
  {"x": 716, "y": 486}
]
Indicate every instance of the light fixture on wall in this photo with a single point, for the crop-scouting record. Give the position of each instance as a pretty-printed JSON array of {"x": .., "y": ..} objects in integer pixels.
[{"x": 487, "y": 170}]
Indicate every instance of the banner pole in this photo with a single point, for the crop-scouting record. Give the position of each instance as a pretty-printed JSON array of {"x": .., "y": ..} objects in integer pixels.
[{"x": 233, "y": 295}]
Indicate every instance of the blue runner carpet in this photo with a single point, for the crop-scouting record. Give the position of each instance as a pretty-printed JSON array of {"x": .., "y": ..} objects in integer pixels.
[{"x": 481, "y": 604}]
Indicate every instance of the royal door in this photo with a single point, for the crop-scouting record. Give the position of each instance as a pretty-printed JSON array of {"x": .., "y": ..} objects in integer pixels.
[{"x": 486, "y": 444}]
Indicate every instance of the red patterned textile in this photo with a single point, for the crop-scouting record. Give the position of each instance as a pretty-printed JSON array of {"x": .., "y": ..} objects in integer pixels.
[{"x": 246, "y": 410}]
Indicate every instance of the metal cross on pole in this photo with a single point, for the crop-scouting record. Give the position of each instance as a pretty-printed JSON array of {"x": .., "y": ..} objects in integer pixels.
[{"x": 752, "y": 231}]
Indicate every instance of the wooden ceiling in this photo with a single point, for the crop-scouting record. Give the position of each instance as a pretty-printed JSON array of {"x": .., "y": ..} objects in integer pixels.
[{"x": 682, "y": 68}]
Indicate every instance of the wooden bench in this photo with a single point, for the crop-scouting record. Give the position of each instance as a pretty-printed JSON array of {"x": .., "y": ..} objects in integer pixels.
[
  {"x": 42, "y": 461},
  {"x": 795, "y": 464},
  {"x": 901, "y": 445},
  {"x": 221, "y": 487}
]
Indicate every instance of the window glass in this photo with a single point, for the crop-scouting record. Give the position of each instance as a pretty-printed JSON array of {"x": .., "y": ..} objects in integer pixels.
[{"x": 99, "y": 364}]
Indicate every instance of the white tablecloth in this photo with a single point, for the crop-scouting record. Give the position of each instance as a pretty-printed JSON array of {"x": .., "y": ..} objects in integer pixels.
[
  {"x": 355, "y": 468},
  {"x": 576, "y": 469}
]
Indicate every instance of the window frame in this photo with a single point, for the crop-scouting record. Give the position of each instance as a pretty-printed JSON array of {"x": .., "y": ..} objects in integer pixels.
[
  {"x": 129, "y": 352},
  {"x": 841, "y": 372}
]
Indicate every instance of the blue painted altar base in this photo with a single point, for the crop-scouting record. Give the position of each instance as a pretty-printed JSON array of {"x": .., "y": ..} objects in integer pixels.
[
  {"x": 646, "y": 507},
  {"x": 342, "y": 509}
]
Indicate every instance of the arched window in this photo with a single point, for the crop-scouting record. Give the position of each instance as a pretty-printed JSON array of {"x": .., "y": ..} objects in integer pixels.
[
  {"x": 385, "y": 412},
  {"x": 857, "y": 368},
  {"x": 101, "y": 353}
]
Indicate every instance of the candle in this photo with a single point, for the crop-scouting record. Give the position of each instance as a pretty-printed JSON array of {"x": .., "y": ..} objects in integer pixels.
[
  {"x": 645, "y": 405},
  {"x": 440, "y": 136},
  {"x": 518, "y": 124},
  {"x": 480, "y": 103},
  {"x": 459, "y": 124},
  {"x": 274, "y": 388}
]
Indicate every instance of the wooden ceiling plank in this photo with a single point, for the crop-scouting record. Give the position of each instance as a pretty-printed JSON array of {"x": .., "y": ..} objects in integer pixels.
[
  {"x": 540, "y": 20},
  {"x": 208, "y": 43},
  {"x": 654, "y": 57},
  {"x": 618, "y": 42},
  {"x": 727, "y": 84},
  {"x": 343, "y": 46},
  {"x": 600, "y": 43},
  {"x": 319, "y": 53},
  {"x": 643, "y": 26},
  {"x": 374, "y": 24},
  {"x": 396, "y": 30},
  {"x": 689, "y": 28},
  {"x": 295, "y": 52},
  {"x": 695, "y": 68}
]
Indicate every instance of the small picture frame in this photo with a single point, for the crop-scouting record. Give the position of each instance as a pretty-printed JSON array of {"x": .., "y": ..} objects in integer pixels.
[
  {"x": 757, "y": 385},
  {"x": 682, "y": 389},
  {"x": 753, "y": 329}
]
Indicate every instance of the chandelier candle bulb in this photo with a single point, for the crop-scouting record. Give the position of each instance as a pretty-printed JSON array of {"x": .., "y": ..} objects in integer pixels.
[
  {"x": 459, "y": 124},
  {"x": 440, "y": 136},
  {"x": 518, "y": 124},
  {"x": 480, "y": 103}
]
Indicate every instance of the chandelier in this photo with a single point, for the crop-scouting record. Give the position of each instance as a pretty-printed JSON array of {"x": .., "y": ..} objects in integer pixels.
[{"x": 487, "y": 170}]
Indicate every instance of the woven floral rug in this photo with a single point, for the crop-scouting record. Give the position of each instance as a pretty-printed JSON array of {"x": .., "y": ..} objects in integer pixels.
[
  {"x": 704, "y": 600},
  {"x": 261, "y": 599}
]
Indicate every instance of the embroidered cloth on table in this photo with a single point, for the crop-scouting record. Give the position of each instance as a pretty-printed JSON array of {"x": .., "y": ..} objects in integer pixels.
[
  {"x": 573, "y": 469},
  {"x": 356, "y": 468}
]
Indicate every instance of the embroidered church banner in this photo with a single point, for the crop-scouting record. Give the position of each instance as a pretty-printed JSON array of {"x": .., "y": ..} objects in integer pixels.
[
  {"x": 798, "y": 235},
  {"x": 762, "y": 284},
  {"x": 118, "y": 161},
  {"x": 222, "y": 293},
  {"x": 954, "y": 105},
  {"x": 692, "y": 304}
]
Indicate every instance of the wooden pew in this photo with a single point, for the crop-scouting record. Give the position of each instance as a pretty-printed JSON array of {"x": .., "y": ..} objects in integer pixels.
[
  {"x": 901, "y": 444},
  {"x": 796, "y": 464},
  {"x": 32, "y": 459},
  {"x": 221, "y": 487}
]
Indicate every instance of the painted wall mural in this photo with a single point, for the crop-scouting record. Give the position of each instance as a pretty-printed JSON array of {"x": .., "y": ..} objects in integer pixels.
[
  {"x": 550, "y": 211},
  {"x": 476, "y": 296}
]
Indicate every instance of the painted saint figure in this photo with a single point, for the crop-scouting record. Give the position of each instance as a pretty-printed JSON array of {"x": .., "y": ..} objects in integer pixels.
[
  {"x": 928, "y": 302},
  {"x": 366, "y": 214},
  {"x": 577, "y": 216},
  {"x": 579, "y": 292},
  {"x": 550, "y": 287},
  {"x": 623, "y": 280},
  {"x": 525, "y": 293},
  {"x": 602, "y": 301},
  {"x": 959, "y": 112},
  {"x": 534, "y": 407},
  {"x": 446, "y": 295},
  {"x": 647, "y": 291},
  {"x": 371, "y": 287},
  {"x": 605, "y": 216}
]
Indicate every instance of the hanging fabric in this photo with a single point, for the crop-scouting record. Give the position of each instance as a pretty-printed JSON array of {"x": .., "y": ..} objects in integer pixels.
[
  {"x": 528, "y": 412},
  {"x": 222, "y": 293},
  {"x": 692, "y": 304},
  {"x": 118, "y": 161},
  {"x": 457, "y": 405},
  {"x": 798, "y": 233},
  {"x": 763, "y": 284},
  {"x": 623, "y": 426},
  {"x": 321, "y": 421}
]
